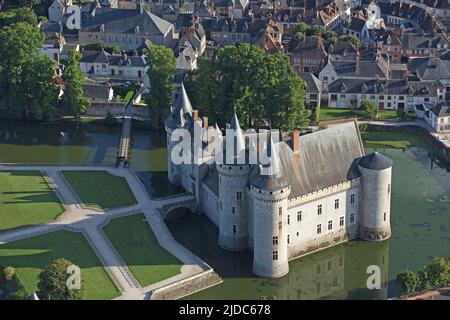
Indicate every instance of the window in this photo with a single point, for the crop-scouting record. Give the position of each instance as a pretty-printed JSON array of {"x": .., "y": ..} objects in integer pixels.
[
  {"x": 274, "y": 255},
  {"x": 319, "y": 229},
  {"x": 341, "y": 261},
  {"x": 352, "y": 217},
  {"x": 329, "y": 265},
  {"x": 238, "y": 195},
  {"x": 318, "y": 269},
  {"x": 330, "y": 225},
  {"x": 336, "y": 204},
  {"x": 319, "y": 209},
  {"x": 220, "y": 205},
  {"x": 341, "y": 221},
  {"x": 280, "y": 225},
  {"x": 232, "y": 210},
  {"x": 352, "y": 199},
  {"x": 389, "y": 188},
  {"x": 299, "y": 216},
  {"x": 234, "y": 229},
  {"x": 288, "y": 239},
  {"x": 384, "y": 217},
  {"x": 289, "y": 220},
  {"x": 280, "y": 211},
  {"x": 275, "y": 240}
]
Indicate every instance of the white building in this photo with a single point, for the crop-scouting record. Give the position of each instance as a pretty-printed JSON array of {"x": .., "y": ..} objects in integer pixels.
[
  {"x": 115, "y": 66},
  {"x": 439, "y": 118},
  {"x": 315, "y": 191}
]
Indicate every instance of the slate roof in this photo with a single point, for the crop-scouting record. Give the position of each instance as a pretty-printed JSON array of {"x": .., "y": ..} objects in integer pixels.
[
  {"x": 113, "y": 59},
  {"x": 312, "y": 47},
  {"x": 361, "y": 69},
  {"x": 313, "y": 84},
  {"x": 375, "y": 161},
  {"x": 442, "y": 109},
  {"x": 96, "y": 91},
  {"x": 356, "y": 24},
  {"x": 126, "y": 21},
  {"x": 325, "y": 158},
  {"x": 181, "y": 111},
  {"x": 386, "y": 87},
  {"x": 410, "y": 41},
  {"x": 430, "y": 68}
]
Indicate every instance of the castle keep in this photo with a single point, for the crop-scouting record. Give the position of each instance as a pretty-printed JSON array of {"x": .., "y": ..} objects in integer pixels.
[{"x": 318, "y": 190}]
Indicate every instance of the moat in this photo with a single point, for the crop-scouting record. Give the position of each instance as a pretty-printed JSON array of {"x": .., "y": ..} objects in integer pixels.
[{"x": 420, "y": 215}]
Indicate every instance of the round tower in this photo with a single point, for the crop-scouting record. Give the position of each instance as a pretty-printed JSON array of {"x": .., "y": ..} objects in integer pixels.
[
  {"x": 376, "y": 171},
  {"x": 180, "y": 115},
  {"x": 233, "y": 181},
  {"x": 269, "y": 191}
]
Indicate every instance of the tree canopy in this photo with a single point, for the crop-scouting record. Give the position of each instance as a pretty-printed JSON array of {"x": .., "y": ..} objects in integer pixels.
[
  {"x": 161, "y": 69},
  {"x": 74, "y": 99},
  {"x": 27, "y": 85},
  {"x": 53, "y": 282},
  {"x": 264, "y": 89},
  {"x": 407, "y": 282}
]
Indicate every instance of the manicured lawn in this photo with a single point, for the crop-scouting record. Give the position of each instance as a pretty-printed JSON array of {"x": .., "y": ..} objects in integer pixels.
[
  {"x": 29, "y": 256},
  {"x": 26, "y": 199},
  {"x": 336, "y": 113},
  {"x": 100, "y": 189},
  {"x": 392, "y": 139},
  {"x": 136, "y": 243}
]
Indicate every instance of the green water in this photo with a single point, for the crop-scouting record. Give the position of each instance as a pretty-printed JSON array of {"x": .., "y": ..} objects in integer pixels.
[
  {"x": 420, "y": 215},
  {"x": 86, "y": 143}
]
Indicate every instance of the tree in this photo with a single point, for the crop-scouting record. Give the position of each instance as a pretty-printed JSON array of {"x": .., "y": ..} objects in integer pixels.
[
  {"x": 25, "y": 15},
  {"x": 53, "y": 282},
  {"x": 436, "y": 274},
  {"x": 369, "y": 109},
  {"x": 74, "y": 99},
  {"x": 8, "y": 273},
  {"x": 302, "y": 27},
  {"x": 351, "y": 38},
  {"x": 27, "y": 86},
  {"x": 11, "y": 285},
  {"x": 317, "y": 30},
  {"x": 161, "y": 69},
  {"x": 264, "y": 89},
  {"x": 407, "y": 282}
]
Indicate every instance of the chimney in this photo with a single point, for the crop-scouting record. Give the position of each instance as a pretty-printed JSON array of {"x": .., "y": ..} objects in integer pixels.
[
  {"x": 205, "y": 122},
  {"x": 205, "y": 129},
  {"x": 318, "y": 40},
  {"x": 295, "y": 140},
  {"x": 195, "y": 115}
]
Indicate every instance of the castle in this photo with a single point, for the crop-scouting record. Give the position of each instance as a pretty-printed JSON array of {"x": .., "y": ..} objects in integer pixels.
[{"x": 318, "y": 190}]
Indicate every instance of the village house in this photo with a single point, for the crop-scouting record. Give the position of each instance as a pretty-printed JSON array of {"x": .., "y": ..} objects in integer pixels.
[
  {"x": 439, "y": 117},
  {"x": 333, "y": 15},
  {"x": 57, "y": 10},
  {"x": 431, "y": 69},
  {"x": 98, "y": 93},
  {"x": 106, "y": 25},
  {"x": 309, "y": 55},
  {"x": 224, "y": 31},
  {"x": 116, "y": 67},
  {"x": 420, "y": 46},
  {"x": 387, "y": 94},
  {"x": 313, "y": 89}
]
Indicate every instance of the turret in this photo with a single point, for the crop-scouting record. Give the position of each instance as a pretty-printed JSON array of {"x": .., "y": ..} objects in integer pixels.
[
  {"x": 376, "y": 171},
  {"x": 180, "y": 116},
  {"x": 233, "y": 180},
  {"x": 269, "y": 192}
]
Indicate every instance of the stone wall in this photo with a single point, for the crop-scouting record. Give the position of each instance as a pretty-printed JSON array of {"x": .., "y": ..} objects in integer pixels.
[
  {"x": 116, "y": 109},
  {"x": 187, "y": 286}
]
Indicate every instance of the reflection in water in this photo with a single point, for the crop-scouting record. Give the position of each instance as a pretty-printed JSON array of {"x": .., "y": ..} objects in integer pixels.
[
  {"x": 86, "y": 143},
  {"x": 335, "y": 273}
]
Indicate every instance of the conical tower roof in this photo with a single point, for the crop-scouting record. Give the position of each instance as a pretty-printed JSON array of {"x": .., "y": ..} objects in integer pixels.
[
  {"x": 181, "y": 111},
  {"x": 238, "y": 135}
]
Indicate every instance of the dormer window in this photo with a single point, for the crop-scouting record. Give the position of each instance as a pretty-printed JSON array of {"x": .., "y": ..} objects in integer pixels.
[{"x": 136, "y": 30}]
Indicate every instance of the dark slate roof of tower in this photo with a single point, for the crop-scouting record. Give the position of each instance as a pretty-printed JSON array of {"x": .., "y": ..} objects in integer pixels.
[
  {"x": 325, "y": 158},
  {"x": 182, "y": 110},
  {"x": 375, "y": 161},
  {"x": 271, "y": 176}
]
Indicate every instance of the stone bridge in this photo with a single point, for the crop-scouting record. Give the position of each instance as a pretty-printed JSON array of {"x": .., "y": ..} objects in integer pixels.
[{"x": 188, "y": 203}]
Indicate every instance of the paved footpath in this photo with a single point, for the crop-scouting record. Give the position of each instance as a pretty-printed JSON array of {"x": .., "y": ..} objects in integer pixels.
[{"x": 79, "y": 218}]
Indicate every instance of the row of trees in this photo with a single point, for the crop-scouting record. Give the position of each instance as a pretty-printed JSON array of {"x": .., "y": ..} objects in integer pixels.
[
  {"x": 27, "y": 78},
  {"x": 303, "y": 30},
  {"x": 264, "y": 89},
  {"x": 52, "y": 283},
  {"x": 434, "y": 275}
]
